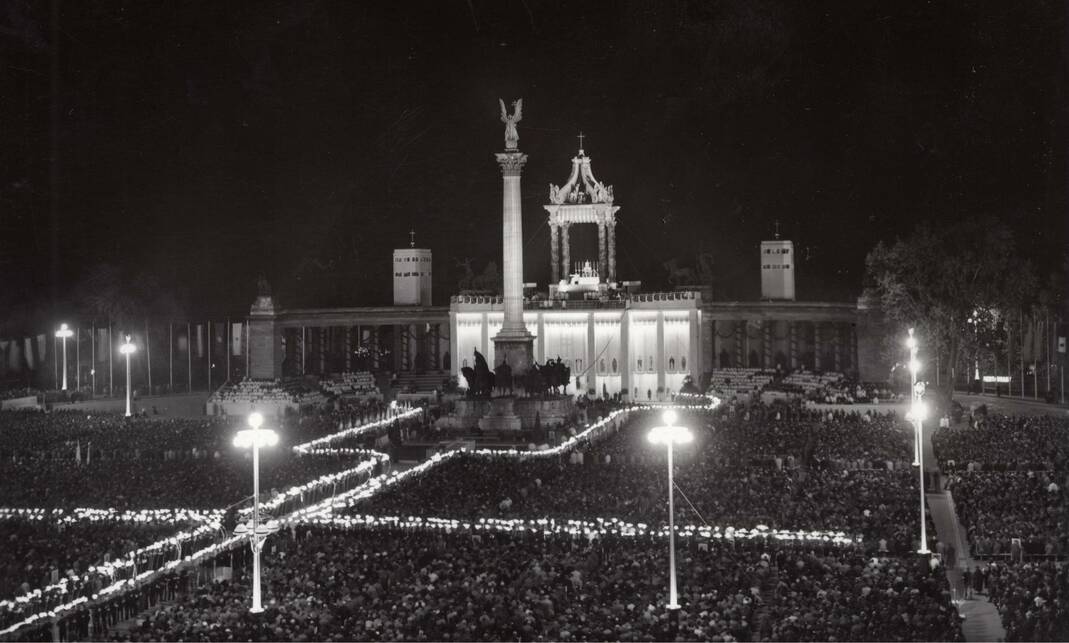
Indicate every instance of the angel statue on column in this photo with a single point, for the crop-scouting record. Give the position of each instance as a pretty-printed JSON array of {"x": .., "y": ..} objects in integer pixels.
[{"x": 512, "y": 137}]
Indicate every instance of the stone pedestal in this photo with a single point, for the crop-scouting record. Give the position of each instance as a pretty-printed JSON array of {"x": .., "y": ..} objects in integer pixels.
[
  {"x": 265, "y": 343},
  {"x": 530, "y": 411},
  {"x": 501, "y": 416},
  {"x": 517, "y": 349}
]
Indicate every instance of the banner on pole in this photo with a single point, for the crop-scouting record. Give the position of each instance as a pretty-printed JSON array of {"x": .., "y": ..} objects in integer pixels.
[{"x": 200, "y": 340}]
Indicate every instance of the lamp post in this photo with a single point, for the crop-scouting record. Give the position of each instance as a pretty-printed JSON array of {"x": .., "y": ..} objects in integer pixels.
[
  {"x": 914, "y": 367},
  {"x": 671, "y": 435},
  {"x": 918, "y": 412},
  {"x": 256, "y": 437},
  {"x": 63, "y": 333},
  {"x": 128, "y": 348}
]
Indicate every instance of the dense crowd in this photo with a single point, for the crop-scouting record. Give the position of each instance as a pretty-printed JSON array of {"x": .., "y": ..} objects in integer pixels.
[
  {"x": 206, "y": 481},
  {"x": 996, "y": 507},
  {"x": 1004, "y": 443},
  {"x": 36, "y": 553},
  {"x": 374, "y": 585},
  {"x": 1033, "y": 599},
  {"x": 880, "y": 505}
]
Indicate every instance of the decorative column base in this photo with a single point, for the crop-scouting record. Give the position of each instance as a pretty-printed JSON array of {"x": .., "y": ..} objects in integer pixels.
[
  {"x": 501, "y": 416},
  {"x": 516, "y": 347}
]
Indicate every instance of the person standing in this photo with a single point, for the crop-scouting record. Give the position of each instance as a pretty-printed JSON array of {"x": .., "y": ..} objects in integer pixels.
[{"x": 966, "y": 578}]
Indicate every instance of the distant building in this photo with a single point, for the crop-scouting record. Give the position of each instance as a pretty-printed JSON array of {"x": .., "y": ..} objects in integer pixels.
[
  {"x": 412, "y": 276},
  {"x": 777, "y": 270}
]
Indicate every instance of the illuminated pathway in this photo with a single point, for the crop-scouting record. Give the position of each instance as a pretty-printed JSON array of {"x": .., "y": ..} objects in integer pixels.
[{"x": 982, "y": 620}]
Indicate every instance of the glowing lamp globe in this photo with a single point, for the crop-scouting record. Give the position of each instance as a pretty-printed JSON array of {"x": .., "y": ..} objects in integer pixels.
[
  {"x": 670, "y": 435},
  {"x": 128, "y": 347},
  {"x": 918, "y": 412},
  {"x": 669, "y": 417},
  {"x": 64, "y": 332},
  {"x": 255, "y": 437}
]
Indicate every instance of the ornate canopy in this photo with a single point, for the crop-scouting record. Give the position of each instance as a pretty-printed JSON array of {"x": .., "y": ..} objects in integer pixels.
[{"x": 581, "y": 186}]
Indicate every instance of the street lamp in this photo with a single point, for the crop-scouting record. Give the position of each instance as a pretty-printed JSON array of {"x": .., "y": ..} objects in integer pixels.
[
  {"x": 128, "y": 348},
  {"x": 63, "y": 333},
  {"x": 914, "y": 368},
  {"x": 671, "y": 435},
  {"x": 918, "y": 412},
  {"x": 256, "y": 437}
]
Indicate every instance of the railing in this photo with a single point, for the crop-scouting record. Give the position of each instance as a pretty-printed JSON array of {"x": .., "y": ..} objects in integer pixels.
[{"x": 566, "y": 304}]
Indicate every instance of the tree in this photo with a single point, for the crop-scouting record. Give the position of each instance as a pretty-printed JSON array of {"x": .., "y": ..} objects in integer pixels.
[{"x": 940, "y": 278}]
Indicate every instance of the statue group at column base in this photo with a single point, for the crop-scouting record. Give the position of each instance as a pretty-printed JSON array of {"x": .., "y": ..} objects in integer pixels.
[{"x": 509, "y": 400}]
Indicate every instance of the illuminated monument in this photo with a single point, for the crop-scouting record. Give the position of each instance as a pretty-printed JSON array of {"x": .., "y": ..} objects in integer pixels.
[{"x": 614, "y": 341}]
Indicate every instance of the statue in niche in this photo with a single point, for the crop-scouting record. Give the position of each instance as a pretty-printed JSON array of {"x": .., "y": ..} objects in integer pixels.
[
  {"x": 503, "y": 376},
  {"x": 480, "y": 379},
  {"x": 512, "y": 137}
]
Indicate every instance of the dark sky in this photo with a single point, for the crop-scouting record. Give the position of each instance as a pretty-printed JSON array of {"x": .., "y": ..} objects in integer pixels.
[{"x": 197, "y": 144}]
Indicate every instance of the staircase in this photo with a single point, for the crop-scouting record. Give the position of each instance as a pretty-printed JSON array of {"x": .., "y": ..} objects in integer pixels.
[{"x": 422, "y": 381}]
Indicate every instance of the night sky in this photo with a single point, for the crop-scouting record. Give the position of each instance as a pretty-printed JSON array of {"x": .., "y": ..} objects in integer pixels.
[{"x": 193, "y": 145}]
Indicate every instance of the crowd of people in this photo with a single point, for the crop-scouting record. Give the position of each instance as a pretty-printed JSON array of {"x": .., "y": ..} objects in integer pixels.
[
  {"x": 204, "y": 482},
  {"x": 745, "y": 467},
  {"x": 36, "y": 553},
  {"x": 779, "y": 465},
  {"x": 1004, "y": 443},
  {"x": 998, "y": 507},
  {"x": 419, "y": 586},
  {"x": 1033, "y": 599},
  {"x": 1008, "y": 478}
]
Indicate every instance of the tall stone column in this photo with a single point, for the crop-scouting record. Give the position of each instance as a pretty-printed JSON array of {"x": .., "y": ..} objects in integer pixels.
[
  {"x": 514, "y": 343},
  {"x": 603, "y": 262},
  {"x": 612, "y": 252},
  {"x": 566, "y": 250},
  {"x": 554, "y": 251}
]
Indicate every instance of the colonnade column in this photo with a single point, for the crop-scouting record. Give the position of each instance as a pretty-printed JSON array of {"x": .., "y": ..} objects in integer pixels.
[
  {"x": 766, "y": 342},
  {"x": 612, "y": 251},
  {"x": 437, "y": 347},
  {"x": 591, "y": 353},
  {"x": 322, "y": 349},
  {"x": 554, "y": 251},
  {"x": 837, "y": 342},
  {"x": 348, "y": 349},
  {"x": 660, "y": 350},
  {"x": 740, "y": 329},
  {"x": 818, "y": 347},
  {"x": 625, "y": 354},
  {"x": 566, "y": 251},
  {"x": 853, "y": 348},
  {"x": 793, "y": 345},
  {"x": 603, "y": 262}
]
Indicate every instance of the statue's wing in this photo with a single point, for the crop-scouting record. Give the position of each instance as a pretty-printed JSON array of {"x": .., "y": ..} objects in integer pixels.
[
  {"x": 504, "y": 112},
  {"x": 519, "y": 111}
]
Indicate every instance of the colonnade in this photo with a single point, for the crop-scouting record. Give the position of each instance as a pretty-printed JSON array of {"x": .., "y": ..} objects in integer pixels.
[
  {"x": 321, "y": 349},
  {"x": 788, "y": 344},
  {"x": 560, "y": 244}
]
